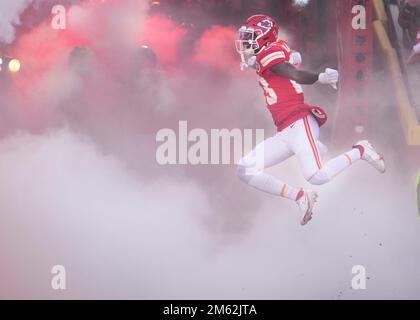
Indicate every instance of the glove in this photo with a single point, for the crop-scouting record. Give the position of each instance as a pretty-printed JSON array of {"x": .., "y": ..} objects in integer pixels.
[{"x": 330, "y": 76}]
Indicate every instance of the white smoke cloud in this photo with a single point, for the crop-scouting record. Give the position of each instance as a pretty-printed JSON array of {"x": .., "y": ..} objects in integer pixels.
[
  {"x": 10, "y": 11},
  {"x": 114, "y": 217},
  {"x": 122, "y": 236}
]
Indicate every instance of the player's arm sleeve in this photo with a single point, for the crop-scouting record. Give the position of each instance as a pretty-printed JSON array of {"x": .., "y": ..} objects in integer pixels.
[{"x": 287, "y": 70}]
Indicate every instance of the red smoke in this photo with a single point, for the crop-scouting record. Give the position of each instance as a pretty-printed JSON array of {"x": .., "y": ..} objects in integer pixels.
[
  {"x": 112, "y": 31},
  {"x": 216, "y": 48},
  {"x": 40, "y": 51},
  {"x": 165, "y": 37}
]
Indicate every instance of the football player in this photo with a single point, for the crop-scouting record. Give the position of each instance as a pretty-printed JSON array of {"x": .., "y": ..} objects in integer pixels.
[{"x": 297, "y": 123}]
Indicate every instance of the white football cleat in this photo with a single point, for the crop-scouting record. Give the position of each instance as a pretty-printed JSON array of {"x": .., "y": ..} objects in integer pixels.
[
  {"x": 306, "y": 205},
  {"x": 370, "y": 155}
]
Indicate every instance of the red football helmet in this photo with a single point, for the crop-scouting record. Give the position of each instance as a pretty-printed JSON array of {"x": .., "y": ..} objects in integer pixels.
[{"x": 257, "y": 32}]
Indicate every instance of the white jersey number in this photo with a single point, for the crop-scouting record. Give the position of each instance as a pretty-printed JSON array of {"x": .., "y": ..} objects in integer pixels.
[
  {"x": 297, "y": 86},
  {"x": 270, "y": 94}
]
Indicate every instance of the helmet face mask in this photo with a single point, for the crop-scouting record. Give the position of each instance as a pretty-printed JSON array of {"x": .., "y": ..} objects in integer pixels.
[
  {"x": 247, "y": 42},
  {"x": 257, "y": 32}
]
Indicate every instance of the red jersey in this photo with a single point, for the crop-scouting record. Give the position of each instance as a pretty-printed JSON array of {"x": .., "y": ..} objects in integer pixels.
[{"x": 285, "y": 99}]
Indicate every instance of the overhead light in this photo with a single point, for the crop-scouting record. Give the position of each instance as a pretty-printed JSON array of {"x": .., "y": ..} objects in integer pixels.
[
  {"x": 11, "y": 65},
  {"x": 14, "y": 65}
]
